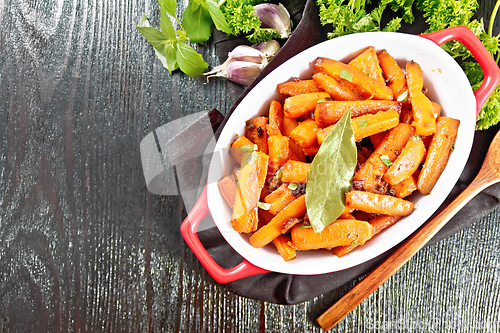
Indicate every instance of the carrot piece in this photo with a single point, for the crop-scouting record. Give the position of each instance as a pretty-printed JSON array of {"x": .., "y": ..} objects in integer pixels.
[
  {"x": 301, "y": 105},
  {"x": 270, "y": 231},
  {"x": 297, "y": 154},
  {"x": 393, "y": 73},
  {"x": 295, "y": 172},
  {"x": 340, "y": 232},
  {"x": 436, "y": 109},
  {"x": 405, "y": 187},
  {"x": 251, "y": 178},
  {"x": 407, "y": 161},
  {"x": 236, "y": 152},
  {"x": 256, "y": 131},
  {"x": 369, "y": 176},
  {"x": 379, "y": 223},
  {"x": 276, "y": 194},
  {"x": 330, "y": 112},
  {"x": 298, "y": 87},
  {"x": 377, "y": 138},
  {"x": 378, "y": 203},
  {"x": 406, "y": 115},
  {"x": 279, "y": 199},
  {"x": 311, "y": 150},
  {"x": 423, "y": 118},
  {"x": 305, "y": 133},
  {"x": 369, "y": 124},
  {"x": 438, "y": 154},
  {"x": 347, "y": 211},
  {"x": 228, "y": 189},
  {"x": 368, "y": 63},
  {"x": 286, "y": 251},
  {"x": 366, "y": 86},
  {"x": 279, "y": 152},
  {"x": 337, "y": 90},
  {"x": 275, "y": 126},
  {"x": 288, "y": 125}
]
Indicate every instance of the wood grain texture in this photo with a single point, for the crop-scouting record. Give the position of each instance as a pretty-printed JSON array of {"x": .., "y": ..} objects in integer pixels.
[{"x": 85, "y": 248}]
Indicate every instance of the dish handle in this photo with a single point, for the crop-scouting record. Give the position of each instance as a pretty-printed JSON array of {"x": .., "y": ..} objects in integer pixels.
[
  {"x": 188, "y": 231},
  {"x": 483, "y": 57}
]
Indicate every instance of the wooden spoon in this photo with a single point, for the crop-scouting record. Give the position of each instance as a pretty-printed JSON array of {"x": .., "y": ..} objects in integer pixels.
[{"x": 488, "y": 175}]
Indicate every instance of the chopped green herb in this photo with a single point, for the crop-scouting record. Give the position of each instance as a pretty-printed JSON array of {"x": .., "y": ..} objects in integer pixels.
[
  {"x": 248, "y": 148},
  {"x": 452, "y": 147},
  {"x": 278, "y": 154},
  {"x": 263, "y": 205},
  {"x": 403, "y": 97},
  {"x": 322, "y": 100},
  {"x": 304, "y": 226},
  {"x": 355, "y": 243},
  {"x": 387, "y": 161},
  {"x": 293, "y": 186},
  {"x": 362, "y": 123},
  {"x": 280, "y": 173},
  {"x": 346, "y": 75},
  {"x": 415, "y": 137}
]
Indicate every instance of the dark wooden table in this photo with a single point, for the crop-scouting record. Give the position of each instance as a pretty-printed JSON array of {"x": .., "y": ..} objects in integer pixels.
[{"x": 84, "y": 247}]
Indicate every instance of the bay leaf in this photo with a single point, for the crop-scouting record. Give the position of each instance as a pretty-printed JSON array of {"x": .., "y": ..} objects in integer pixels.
[{"x": 331, "y": 174}]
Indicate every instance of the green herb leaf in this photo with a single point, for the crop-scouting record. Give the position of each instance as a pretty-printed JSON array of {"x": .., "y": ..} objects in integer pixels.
[
  {"x": 403, "y": 97},
  {"x": 169, "y": 6},
  {"x": 415, "y": 137},
  {"x": 152, "y": 35},
  {"x": 355, "y": 243},
  {"x": 346, "y": 75},
  {"x": 217, "y": 16},
  {"x": 190, "y": 61},
  {"x": 249, "y": 147},
  {"x": 330, "y": 175},
  {"x": 293, "y": 186},
  {"x": 168, "y": 59},
  {"x": 452, "y": 147},
  {"x": 280, "y": 173},
  {"x": 387, "y": 161},
  {"x": 321, "y": 100},
  {"x": 197, "y": 22},
  {"x": 303, "y": 226},
  {"x": 362, "y": 123},
  {"x": 263, "y": 205}
]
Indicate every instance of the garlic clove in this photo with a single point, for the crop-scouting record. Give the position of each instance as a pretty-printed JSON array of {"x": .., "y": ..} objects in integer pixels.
[
  {"x": 242, "y": 72},
  {"x": 275, "y": 17},
  {"x": 268, "y": 48}
]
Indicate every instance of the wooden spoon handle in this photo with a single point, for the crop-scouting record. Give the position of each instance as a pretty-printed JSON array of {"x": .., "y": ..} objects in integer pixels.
[{"x": 386, "y": 269}]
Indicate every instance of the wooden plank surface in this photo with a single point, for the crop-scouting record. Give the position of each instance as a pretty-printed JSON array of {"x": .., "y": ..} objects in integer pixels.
[{"x": 84, "y": 247}]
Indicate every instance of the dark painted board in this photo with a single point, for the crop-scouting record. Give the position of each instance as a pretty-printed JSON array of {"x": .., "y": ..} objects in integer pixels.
[{"x": 85, "y": 248}]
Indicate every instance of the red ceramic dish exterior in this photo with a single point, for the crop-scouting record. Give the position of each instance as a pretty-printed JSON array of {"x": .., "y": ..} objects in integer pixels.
[{"x": 245, "y": 268}]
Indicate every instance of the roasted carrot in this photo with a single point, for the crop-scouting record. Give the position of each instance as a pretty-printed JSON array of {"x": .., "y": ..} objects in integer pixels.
[
  {"x": 379, "y": 223},
  {"x": 370, "y": 124},
  {"x": 369, "y": 176},
  {"x": 288, "y": 125},
  {"x": 407, "y": 161},
  {"x": 279, "y": 152},
  {"x": 298, "y": 87},
  {"x": 275, "y": 126},
  {"x": 297, "y": 154},
  {"x": 438, "y": 154},
  {"x": 366, "y": 86},
  {"x": 337, "y": 90},
  {"x": 227, "y": 188},
  {"x": 295, "y": 172},
  {"x": 405, "y": 187},
  {"x": 282, "y": 199},
  {"x": 239, "y": 147},
  {"x": 378, "y": 203},
  {"x": 256, "y": 131},
  {"x": 330, "y": 112},
  {"x": 305, "y": 133},
  {"x": 311, "y": 150},
  {"x": 340, "y": 232},
  {"x": 270, "y": 231},
  {"x": 368, "y": 63},
  {"x": 286, "y": 251},
  {"x": 276, "y": 194},
  {"x": 301, "y": 105},
  {"x": 423, "y": 118},
  {"x": 392, "y": 73},
  {"x": 377, "y": 138}
]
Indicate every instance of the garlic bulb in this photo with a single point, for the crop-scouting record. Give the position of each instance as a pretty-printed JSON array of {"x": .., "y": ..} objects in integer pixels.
[
  {"x": 275, "y": 17},
  {"x": 242, "y": 72}
]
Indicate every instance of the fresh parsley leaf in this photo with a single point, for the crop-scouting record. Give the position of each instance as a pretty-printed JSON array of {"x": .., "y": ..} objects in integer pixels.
[{"x": 263, "y": 34}]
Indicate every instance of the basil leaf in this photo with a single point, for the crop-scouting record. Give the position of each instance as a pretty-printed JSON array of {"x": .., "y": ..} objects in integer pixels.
[
  {"x": 346, "y": 75},
  {"x": 197, "y": 23},
  {"x": 167, "y": 29},
  {"x": 190, "y": 61},
  {"x": 217, "y": 16},
  {"x": 170, "y": 60},
  {"x": 152, "y": 35},
  {"x": 169, "y": 6},
  {"x": 330, "y": 175}
]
